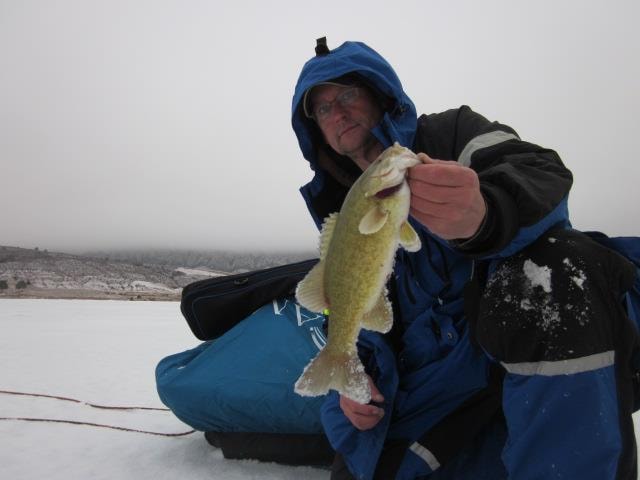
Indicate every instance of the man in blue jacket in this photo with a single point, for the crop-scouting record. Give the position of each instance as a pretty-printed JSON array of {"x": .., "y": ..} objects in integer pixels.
[{"x": 523, "y": 372}]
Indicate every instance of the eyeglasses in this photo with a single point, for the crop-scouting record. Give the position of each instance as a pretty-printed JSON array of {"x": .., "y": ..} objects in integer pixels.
[{"x": 322, "y": 111}]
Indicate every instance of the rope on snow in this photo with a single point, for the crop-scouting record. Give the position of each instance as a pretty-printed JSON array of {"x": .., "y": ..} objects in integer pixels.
[
  {"x": 67, "y": 399},
  {"x": 90, "y": 424},
  {"x": 75, "y": 422}
]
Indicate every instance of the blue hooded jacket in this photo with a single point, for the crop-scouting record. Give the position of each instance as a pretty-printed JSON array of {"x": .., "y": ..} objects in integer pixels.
[
  {"x": 351, "y": 57},
  {"x": 437, "y": 368}
]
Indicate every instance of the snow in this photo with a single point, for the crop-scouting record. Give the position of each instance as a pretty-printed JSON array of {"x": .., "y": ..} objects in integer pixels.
[
  {"x": 105, "y": 353},
  {"x": 538, "y": 275},
  {"x": 579, "y": 276},
  {"x": 199, "y": 272},
  {"x": 144, "y": 286},
  {"x": 579, "y": 280}
]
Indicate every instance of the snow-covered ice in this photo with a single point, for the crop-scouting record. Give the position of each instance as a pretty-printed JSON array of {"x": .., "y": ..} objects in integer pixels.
[{"x": 102, "y": 352}]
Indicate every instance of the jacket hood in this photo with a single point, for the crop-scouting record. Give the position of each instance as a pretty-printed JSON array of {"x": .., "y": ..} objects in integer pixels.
[{"x": 397, "y": 125}]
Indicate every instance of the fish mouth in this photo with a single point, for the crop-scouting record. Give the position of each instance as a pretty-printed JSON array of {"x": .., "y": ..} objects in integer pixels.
[{"x": 387, "y": 192}]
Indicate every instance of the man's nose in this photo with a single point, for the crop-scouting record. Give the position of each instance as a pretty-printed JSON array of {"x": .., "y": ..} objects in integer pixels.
[{"x": 338, "y": 111}]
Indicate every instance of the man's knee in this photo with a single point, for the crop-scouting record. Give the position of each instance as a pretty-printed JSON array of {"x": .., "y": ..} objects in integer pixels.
[{"x": 558, "y": 299}]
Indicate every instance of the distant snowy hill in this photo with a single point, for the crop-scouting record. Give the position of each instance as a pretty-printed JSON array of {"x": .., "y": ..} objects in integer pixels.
[
  {"x": 36, "y": 273},
  {"x": 134, "y": 275},
  {"x": 217, "y": 260}
]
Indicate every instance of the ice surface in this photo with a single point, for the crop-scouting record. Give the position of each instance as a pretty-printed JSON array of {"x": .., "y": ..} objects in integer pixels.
[{"x": 102, "y": 352}]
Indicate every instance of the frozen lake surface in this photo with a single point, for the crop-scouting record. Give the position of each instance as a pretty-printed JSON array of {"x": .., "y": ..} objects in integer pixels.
[
  {"x": 102, "y": 352},
  {"x": 105, "y": 353}
]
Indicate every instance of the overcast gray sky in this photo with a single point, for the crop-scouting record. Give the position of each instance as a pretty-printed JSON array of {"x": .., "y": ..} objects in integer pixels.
[{"x": 157, "y": 123}]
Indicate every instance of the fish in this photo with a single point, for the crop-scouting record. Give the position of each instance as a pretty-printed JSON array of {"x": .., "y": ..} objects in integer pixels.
[{"x": 357, "y": 250}]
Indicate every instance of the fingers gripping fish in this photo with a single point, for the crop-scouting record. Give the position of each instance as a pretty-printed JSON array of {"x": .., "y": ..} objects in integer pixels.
[{"x": 357, "y": 249}]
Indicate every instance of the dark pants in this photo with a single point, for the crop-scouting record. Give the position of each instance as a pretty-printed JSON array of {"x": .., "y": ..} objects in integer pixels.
[
  {"x": 392, "y": 454},
  {"x": 478, "y": 459}
]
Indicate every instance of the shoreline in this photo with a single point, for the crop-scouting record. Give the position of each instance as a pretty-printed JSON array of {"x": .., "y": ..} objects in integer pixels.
[{"x": 69, "y": 294}]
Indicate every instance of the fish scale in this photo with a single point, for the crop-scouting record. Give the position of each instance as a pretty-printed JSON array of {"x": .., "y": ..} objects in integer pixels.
[{"x": 357, "y": 249}]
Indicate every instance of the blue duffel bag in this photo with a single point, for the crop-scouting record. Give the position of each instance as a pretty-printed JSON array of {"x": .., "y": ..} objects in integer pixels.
[
  {"x": 243, "y": 381},
  {"x": 238, "y": 386}
]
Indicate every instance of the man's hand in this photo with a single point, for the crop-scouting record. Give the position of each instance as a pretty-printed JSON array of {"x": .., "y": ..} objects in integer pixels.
[
  {"x": 363, "y": 417},
  {"x": 446, "y": 198}
]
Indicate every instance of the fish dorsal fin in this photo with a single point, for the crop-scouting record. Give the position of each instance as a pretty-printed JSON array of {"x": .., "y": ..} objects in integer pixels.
[
  {"x": 373, "y": 220},
  {"x": 326, "y": 233},
  {"x": 310, "y": 290},
  {"x": 409, "y": 239}
]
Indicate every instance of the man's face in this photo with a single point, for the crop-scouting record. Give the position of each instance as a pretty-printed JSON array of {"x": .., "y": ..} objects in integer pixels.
[{"x": 347, "y": 127}]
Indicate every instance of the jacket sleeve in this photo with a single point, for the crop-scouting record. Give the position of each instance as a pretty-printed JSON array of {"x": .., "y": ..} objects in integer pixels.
[{"x": 525, "y": 185}]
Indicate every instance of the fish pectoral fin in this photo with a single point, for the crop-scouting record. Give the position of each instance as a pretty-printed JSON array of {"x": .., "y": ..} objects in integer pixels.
[
  {"x": 326, "y": 233},
  {"x": 409, "y": 239},
  {"x": 380, "y": 317},
  {"x": 310, "y": 290},
  {"x": 373, "y": 220}
]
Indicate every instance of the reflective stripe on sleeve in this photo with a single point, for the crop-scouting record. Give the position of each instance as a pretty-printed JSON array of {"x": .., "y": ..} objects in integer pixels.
[
  {"x": 483, "y": 141},
  {"x": 563, "y": 367},
  {"x": 425, "y": 455}
]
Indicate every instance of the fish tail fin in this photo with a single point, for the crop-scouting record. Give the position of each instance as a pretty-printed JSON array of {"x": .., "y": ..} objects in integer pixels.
[{"x": 338, "y": 371}]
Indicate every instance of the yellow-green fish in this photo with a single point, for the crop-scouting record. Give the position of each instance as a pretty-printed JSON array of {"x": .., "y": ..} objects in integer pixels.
[{"x": 357, "y": 250}]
